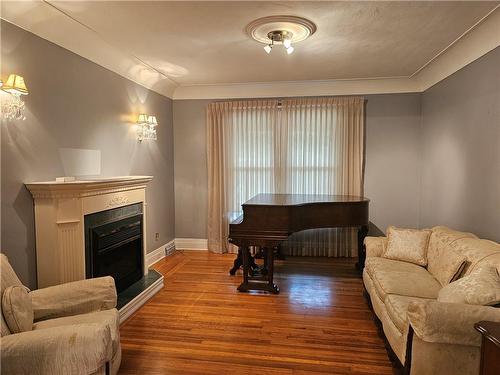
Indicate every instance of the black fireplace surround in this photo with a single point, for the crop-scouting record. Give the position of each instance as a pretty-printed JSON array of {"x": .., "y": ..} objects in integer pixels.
[{"x": 114, "y": 245}]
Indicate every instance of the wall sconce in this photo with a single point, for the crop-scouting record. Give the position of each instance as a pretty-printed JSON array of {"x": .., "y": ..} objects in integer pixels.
[
  {"x": 146, "y": 127},
  {"x": 13, "y": 105}
]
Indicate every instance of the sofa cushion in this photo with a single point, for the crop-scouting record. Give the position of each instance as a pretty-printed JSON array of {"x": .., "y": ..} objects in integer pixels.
[
  {"x": 401, "y": 278},
  {"x": 397, "y": 307},
  {"x": 409, "y": 245},
  {"x": 109, "y": 317},
  {"x": 378, "y": 264},
  {"x": 17, "y": 308},
  {"x": 450, "y": 265},
  {"x": 375, "y": 246},
  {"x": 481, "y": 287},
  {"x": 439, "y": 245},
  {"x": 477, "y": 252}
]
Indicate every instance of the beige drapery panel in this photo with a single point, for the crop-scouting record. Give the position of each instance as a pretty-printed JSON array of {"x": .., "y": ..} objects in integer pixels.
[{"x": 303, "y": 146}]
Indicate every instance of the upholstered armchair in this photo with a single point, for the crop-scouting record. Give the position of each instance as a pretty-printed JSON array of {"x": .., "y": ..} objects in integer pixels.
[{"x": 65, "y": 329}]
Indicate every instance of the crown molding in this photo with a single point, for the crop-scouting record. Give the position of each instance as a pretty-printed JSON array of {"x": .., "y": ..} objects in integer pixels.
[
  {"x": 38, "y": 17},
  {"x": 297, "y": 88},
  {"x": 476, "y": 42}
]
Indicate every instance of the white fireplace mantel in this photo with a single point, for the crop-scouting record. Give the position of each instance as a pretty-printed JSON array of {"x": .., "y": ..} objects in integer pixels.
[
  {"x": 60, "y": 208},
  {"x": 86, "y": 188}
]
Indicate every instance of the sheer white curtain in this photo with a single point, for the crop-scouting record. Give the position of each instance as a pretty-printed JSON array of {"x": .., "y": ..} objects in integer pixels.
[
  {"x": 241, "y": 161},
  {"x": 307, "y": 146}
]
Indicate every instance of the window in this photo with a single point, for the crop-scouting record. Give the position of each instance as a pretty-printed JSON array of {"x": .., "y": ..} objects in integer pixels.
[{"x": 303, "y": 146}]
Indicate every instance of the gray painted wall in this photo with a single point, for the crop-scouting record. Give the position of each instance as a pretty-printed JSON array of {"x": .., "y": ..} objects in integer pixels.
[
  {"x": 74, "y": 103},
  {"x": 461, "y": 149},
  {"x": 431, "y": 158},
  {"x": 392, "y": 180},
  {"x": 391, "y": 174},
  {"x": 190, "y": 160}
]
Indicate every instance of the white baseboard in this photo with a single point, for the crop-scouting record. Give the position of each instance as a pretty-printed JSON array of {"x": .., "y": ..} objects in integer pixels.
[
  {"x": 191, "y": 244},
  {"x": 160, "y": 253},
  {"x": 140, "y": 300}
]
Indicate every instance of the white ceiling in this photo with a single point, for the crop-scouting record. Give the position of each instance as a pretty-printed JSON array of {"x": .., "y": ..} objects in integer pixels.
[{"x": 188, "y": 43}]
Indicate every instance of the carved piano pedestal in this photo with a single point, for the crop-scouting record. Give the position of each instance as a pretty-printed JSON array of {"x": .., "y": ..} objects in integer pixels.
[{"x": 269, "y": 219}]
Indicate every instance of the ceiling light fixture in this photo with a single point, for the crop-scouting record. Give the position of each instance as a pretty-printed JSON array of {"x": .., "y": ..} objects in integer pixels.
[
  {"x": 280, "y": 30},
  {"x": 282, "y": 37}
]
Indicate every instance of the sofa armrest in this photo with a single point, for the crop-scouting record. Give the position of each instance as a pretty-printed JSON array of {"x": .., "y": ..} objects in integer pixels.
[
  {"x": 78, "y": 297},
  {"x": 375, "y": 246},
  {"x": 449, "y": 323},
  {"x": 72, "y": 349}
]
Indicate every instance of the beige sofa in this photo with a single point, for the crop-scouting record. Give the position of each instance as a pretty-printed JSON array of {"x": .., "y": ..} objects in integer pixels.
[
  {"x": 75, "y": 328},
  {"x": 428, "y": 336}
]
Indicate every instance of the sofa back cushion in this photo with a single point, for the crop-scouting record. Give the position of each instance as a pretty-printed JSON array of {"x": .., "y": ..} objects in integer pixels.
[
  {"x": 450, "y": 265},
  {"x": 480, "y": 287},
  {"x": 408, "y": 245},
  {"x": 439, "y": 246},
  {"x": 477, "y": 252},
  {"x": 7, "y": 278}
]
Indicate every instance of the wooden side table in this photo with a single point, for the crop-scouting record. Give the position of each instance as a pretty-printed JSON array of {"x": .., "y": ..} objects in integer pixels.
[{"x": 490, "y": 347}]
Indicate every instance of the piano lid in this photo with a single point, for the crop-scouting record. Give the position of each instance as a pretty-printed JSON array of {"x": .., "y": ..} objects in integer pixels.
[{"x": 267, "y": 199}]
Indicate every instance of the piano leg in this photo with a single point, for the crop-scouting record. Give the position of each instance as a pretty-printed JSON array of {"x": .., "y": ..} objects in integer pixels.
[
  {"x": 260, "y": 282},
  {"x": 362, "y": 232},
  {"x": 270, "y": 271},
  {"x": 245, "y": 252},
  {"x": 245, "y": 255},
  {"x": 238, "y": 262}
]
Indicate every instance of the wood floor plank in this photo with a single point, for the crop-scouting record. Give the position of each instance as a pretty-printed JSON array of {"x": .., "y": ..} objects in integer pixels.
[{"x": 199, "y": 324}]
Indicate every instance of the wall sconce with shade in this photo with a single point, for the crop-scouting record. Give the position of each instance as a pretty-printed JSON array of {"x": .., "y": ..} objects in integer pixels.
[
  {"x": 146, "y": 127},
  {"x": 13, "y": 105}
]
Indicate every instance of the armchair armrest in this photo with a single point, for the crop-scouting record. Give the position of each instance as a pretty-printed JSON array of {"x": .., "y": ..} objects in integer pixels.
[
  {"x": 449, "y": 323},
  {"x": 78, "y": 297},
  {"x": 375, "y": 246},
  {"x": 72, "y": 349}
]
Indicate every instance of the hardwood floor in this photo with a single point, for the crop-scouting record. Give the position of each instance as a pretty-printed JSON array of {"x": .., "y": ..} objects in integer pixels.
[{"x": 199, "y": 324}]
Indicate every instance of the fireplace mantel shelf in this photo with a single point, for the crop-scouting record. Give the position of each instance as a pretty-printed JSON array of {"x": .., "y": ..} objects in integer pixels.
[{"x": 85, "y": 188}]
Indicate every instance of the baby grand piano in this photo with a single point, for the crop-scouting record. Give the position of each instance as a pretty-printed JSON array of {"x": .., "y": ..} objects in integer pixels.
[{"x": 269, "y": 219}]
